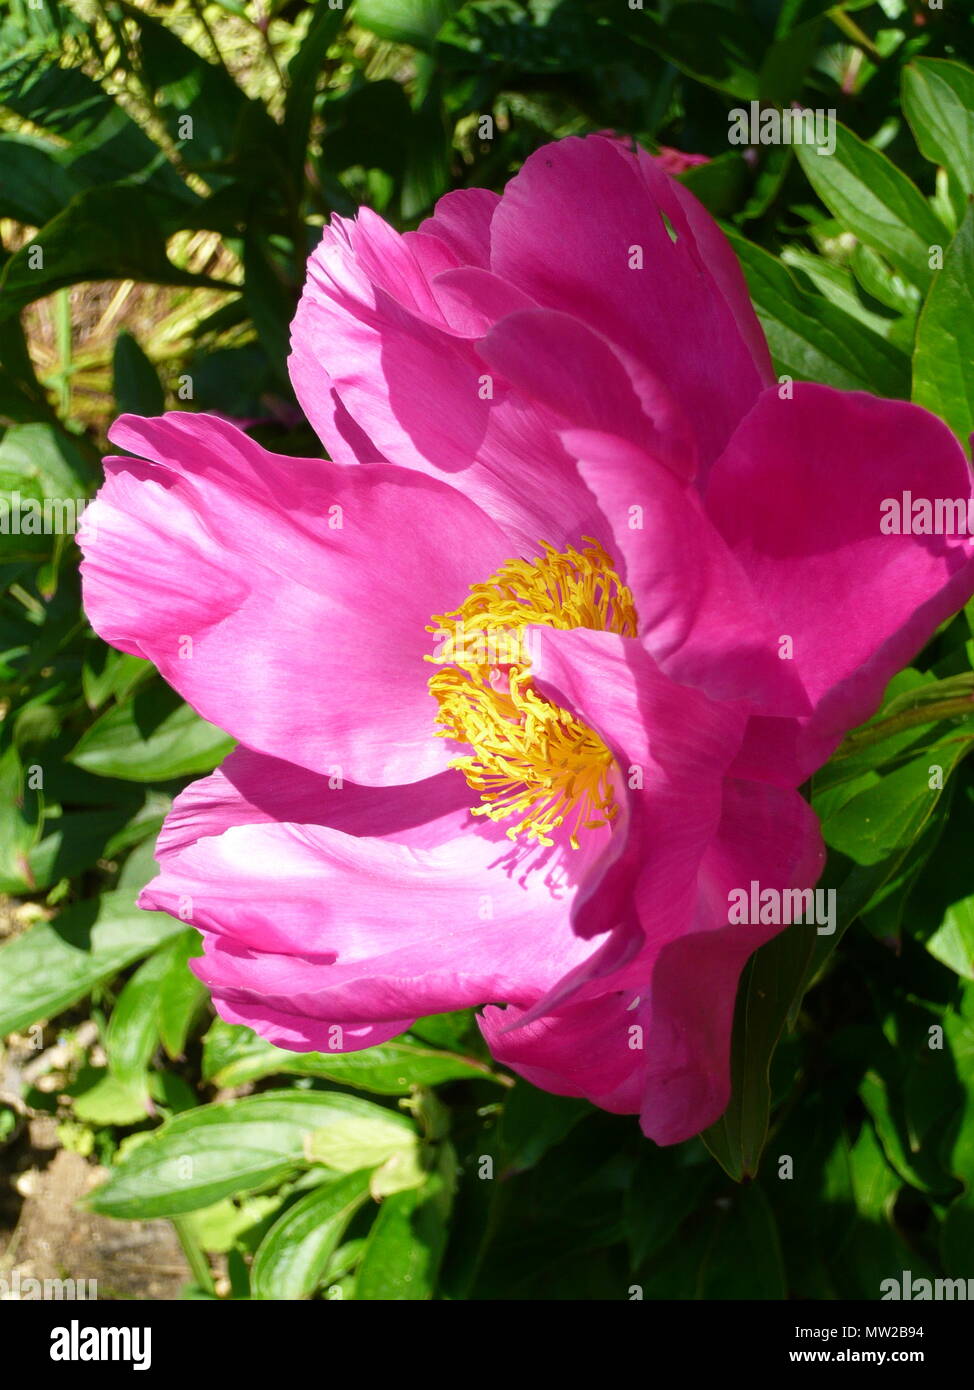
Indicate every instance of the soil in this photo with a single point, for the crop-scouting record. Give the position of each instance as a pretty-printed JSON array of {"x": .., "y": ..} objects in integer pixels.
[{"x": 51, "y": 1238}]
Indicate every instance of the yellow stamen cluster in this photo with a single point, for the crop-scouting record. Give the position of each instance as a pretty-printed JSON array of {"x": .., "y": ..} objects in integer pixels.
[{"x": 529, "y": 758}]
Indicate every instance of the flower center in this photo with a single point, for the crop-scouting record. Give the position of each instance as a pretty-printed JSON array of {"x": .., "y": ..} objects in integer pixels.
[{"x": 529, "y": 758}]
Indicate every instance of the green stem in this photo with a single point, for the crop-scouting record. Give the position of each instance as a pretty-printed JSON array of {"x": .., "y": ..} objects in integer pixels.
[
  {"x": 195, "y": 1255},
  {"x": 957, "y": 708},
  {"x": 64, "y": 345}
]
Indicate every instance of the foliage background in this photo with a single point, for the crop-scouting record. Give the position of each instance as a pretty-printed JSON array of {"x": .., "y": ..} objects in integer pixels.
[{"x": 171, "y": 258}]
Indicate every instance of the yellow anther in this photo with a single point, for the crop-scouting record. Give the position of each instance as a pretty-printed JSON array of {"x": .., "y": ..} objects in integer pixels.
[{"x": 529, "y": 758}]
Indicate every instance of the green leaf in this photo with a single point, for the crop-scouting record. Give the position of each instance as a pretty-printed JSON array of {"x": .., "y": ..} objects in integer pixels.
[
  {"x": 891, "y": 812},
  {"x": 35, "y": 184},
  {"x": 46, "y": 456},
  {"x": 103, "y": 144},
  {"x": 943, "y": 364},
  {"x": 303, "y": 72},
  {"x": 713, "y": 45},
  {"x": 415, "y": 22},
  {"x": 766, "y": 991},
  {"x": 812, "y": 339},
  {"x": 112, "y": 1101},
  {"x": 744, "y": 1259},
  {"x": 187, "y": 85},
  {"x": 870, "y": 196},
  {"x": 181, "y": 995},
  {"x": 953, "y": 941},
  {"x": 938, "y": 102},
  {"x": 76, "y": 840},
  {"x": 533, "y": 1122},
  {"x": 92, "y": 239},
  {"x": 108, "y": 672},
  {"x": 137, "y": 387},
  {"x": 202, "y": 1155},
  {"x": 133, "y": 1029},
  {"x": 660, "y": 1196},
  {"x": 53, "y": 964},
  {"x": 20, "y": 827},
  {"x": 270, "y": 300},
  {"x": 406, "y": 1243},
  {"x": 363, "y": 1141},
  {"x": 293, "y": 1256},
  {"x": 152, "y": 736},
  {"x": 234, "y": 1055}
]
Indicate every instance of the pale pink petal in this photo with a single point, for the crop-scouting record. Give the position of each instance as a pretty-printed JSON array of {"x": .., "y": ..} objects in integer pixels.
[{"x": 286, "y": 599}]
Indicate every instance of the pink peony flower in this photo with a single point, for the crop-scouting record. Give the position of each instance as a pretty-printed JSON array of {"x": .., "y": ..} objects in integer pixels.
[
  {"x": 526, "y": 677},
  {"x": 678, "y": 161}
]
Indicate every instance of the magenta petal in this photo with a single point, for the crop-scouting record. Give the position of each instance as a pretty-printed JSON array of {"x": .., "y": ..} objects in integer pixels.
[
  {"x": 472, "y": 300},
  {"x": 718, "y": 256},
  {"x": 662, "y": 1048},
  {"x": 580, "y": 1051},
  {"x": 251, "y": 789},
  {"x": 699, "y": 615},
  {"x": 321, "y": 924},
  {"x": 296, "y": 1032},
  {"x": 314, "y": 580},
  {"x": 462, "y": 221},
  {"x": 798, "y": 497},
  {"x": 768, "y": 836},
  {"x": 420, "y": 392},
  {"x": 672, "y": 746},
  {"x": 568, "y": 231},
  {"x": 555, "y": 359}
]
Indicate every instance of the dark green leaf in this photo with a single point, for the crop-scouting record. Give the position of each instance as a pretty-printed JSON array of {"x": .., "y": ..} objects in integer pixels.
[
  {"x": 943, "y": 365},
  {"x": 293, "y": 1256}
]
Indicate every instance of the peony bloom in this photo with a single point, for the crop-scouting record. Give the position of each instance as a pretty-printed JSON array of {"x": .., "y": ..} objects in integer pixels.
[
  {"x": 525, "y": 678},
  {"x": 679, "y": 161}
]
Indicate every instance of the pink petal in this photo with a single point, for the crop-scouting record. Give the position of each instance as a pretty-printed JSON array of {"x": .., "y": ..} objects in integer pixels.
[
  {"x": 766, "y": 835},
  {"x": 553, "y": 358},
  {"x": 798, "y": 496},
  {"x": 662, "y": 1048},
  {"x": 305, "y": 640},
  {"x": 424, "y": 396},
  {"x": 672, "y": 745},
  {"x": 564, "y": 233},
  {"x": 323, "y": 925},
  {"x": 462, "y": 221},
  {"x": 700, "y": 617},
  {"x": 251, "y": 789}
]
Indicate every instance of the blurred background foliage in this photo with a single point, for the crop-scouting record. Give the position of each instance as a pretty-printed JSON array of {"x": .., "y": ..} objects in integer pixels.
[{"x": 174, "y": 163}]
